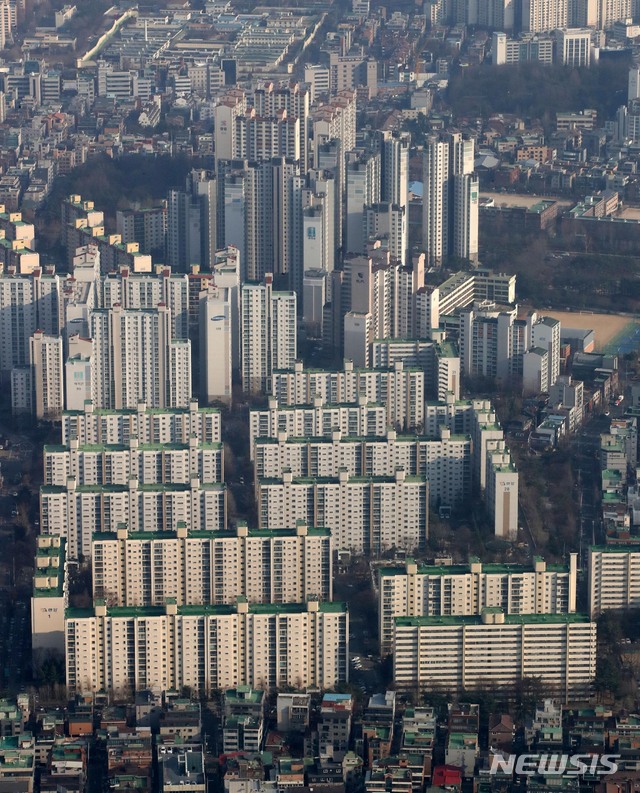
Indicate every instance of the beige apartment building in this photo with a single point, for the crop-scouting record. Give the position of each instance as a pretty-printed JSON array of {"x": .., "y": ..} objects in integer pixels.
[
  {"x": 148, "y": 425},
  {"x": 444, "y": 462},
  {"x": 77, "y": 512},
  {"x": 264, "y": 566},
  {"x": 400, "y": 388},
  {"x": 206, "y": 647},
  {"x": 365, "y": 514},
  {"x": 614, "y": 578},
  {"x": 149, "y": 463},
  {"x": 455, "y": 653},
  {"x": 465, "y": 590}
]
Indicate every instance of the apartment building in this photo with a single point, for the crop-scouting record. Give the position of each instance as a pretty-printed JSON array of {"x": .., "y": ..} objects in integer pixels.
[
  {"x": 400, "y": 388},
  {"x": 47, "y": 376},
  {"x": 440, "y": 360},
  {"x": 94, "y": 425},
  {"x": 365, "y": 514},
  {"x": 268, "y": 333},
  {"x": 492, "y": 341},
  {"x": 150, "y": 464},
  {"x": 494, "y": 649},
  {"x": 28, "y": 303},
  {"x": 445, "y": 462},
  {"x": 135, "y": 359},
  {"x": 544, "y": 15},
  {"x": 132, "y": 290},
  {"x": 49, "y": 597},
  {"x": 465, "y": 590},
  {"x": 216, "y": 341},
  {"x": 147, "y": 227},
  {"x": 207, "y": 647},
  {"x": 614, "y": 578},
  {"x": 450, "y": 202},
  {"x": 212, "y": 567},
  {"x": 362, "y": 190},
  {"x": 362, "y": 419},
  {"x": 191, "y": 222},
  {"x": 501, "y": 492},
  {"x": 77, "y": 512}
]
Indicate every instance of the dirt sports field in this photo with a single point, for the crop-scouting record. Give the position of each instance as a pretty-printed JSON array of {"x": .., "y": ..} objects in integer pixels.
[{"x": 613, "y": 332}]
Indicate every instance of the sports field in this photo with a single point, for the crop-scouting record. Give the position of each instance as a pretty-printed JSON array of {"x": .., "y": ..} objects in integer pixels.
[{"x": 613, "y": 333}]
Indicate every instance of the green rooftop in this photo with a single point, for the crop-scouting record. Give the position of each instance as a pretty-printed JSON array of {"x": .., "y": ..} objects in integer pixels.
[
  {"x": 510, "y": 619},
  {"x": 125, "y": 612}
]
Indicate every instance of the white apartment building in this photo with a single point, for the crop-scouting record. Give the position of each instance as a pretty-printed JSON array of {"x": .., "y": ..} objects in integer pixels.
[
  {"x": 135, "y": 359},
  {"x": 207, "y": 647},
  {"x": 610, "y": 11},
  {"x": 535, "y": 371},
  {"x": 394, "y": 182},
  {"x": 148, "y": 291},
  {"x": 226, "y": 275},
  {"x": 544, "y": 15},
  {"x": 463, "y": 289},
  {"x": 450, "y": 200},
  {"x": 464, "y": 590},
  {"x": 444, "y": 462},
  {"x": 435, "y": 177},
  {"x": 545, "y": 333},
  {"x": 213, "y": 567},
  {"x": 614, "y": 578},
  {"x": 494, "y": 649},
  {"x": 492, "y": 341},
  {"x": 295, "y": 99},
  {"x": 335, "y": 120},
  {"x": 400, "y": 388},
  {"x": 77, "y": 512},
  {"x": 318, "y": 77},
  {"x": 216, "y": 344},
  {"x": 362, "y": 190},
  {"x": 268, "y": 333},
  {"x": 439, "y": 359},
  {"x": 149, "y": 463},
  {"x": 364, "y": 514},
  {"x": 358, "y": 335},
  {"x": 360, "y": 419},
  {"x": 27, "y": 304},
  {"x": 94, "y": 425},
  {"x": 386, "y": 223},
  {"x": 229, "y": 108},
  {"x": 466, "y": 195},
  {"x": 47, "y": 376}
]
